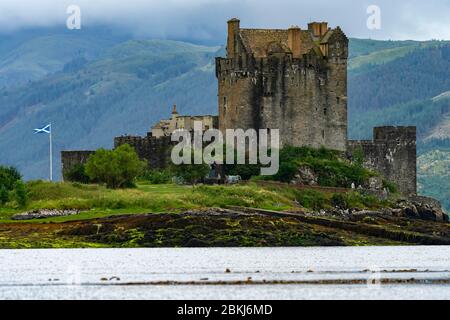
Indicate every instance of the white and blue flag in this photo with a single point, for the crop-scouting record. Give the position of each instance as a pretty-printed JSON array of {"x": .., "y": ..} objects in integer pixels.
[{"x": 46, "y": 129}]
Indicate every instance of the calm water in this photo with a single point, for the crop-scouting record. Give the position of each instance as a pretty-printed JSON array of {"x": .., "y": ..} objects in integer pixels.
[{"x": 132, "y": 273}]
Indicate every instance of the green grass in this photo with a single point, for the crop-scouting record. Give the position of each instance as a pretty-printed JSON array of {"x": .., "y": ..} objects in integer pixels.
[{"x": 96, "y": 201}]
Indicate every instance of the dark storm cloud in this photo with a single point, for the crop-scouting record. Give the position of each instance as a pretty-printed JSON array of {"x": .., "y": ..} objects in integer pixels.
[{"x": 205, "y": 19}]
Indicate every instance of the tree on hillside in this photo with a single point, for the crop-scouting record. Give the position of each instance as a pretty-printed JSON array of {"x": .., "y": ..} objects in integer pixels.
[{"x": 116, "y": 168}]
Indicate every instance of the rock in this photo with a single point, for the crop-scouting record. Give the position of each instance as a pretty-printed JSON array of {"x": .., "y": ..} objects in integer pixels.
[
  {"x": 43, "y": 213},
  {"x": 305, "y": 176},
  {"x": 375, "y": 183},
  {"x": 425, "y": 208}
]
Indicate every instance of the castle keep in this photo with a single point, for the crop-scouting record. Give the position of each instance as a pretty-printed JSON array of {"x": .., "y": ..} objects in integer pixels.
[{"x": 294, "y": 80}]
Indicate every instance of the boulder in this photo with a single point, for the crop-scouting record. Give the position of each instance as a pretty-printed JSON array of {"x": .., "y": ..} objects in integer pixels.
[
  {"x": 425, "y": 208},
  {"x": 306, "y": 176}
]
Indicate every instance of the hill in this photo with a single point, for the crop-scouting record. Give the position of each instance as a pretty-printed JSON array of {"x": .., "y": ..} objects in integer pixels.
[{"x": 135, "y": 81}]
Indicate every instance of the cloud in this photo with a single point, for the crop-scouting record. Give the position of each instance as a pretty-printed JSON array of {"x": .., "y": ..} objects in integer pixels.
[{"x": 204, "y": 20}]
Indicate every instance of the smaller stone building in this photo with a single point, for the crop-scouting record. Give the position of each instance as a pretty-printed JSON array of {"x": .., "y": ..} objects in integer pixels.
[{"x": 165, "y": 128}]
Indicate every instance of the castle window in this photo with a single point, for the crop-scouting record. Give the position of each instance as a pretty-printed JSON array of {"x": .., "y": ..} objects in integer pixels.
[
  {"x": 323, "y": 134},
  {"x": 325, "y": 111},
  {"x": 338, "y": 100}
]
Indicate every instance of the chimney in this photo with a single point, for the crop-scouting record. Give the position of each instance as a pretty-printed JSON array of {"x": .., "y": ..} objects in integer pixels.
[
  {"x": 295, "y": 41},
  {"x": 318, "y": 29},
  {"x": 233, "y": 31}
]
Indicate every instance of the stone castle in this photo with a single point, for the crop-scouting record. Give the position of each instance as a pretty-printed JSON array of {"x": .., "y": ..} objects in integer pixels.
[{"x": 293, "y": 80}]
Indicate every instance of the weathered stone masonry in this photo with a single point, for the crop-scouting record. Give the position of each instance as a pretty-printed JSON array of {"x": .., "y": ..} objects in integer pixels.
[
  {"x": 293, "y": 80},
  {"x": 392, "y": 152},
  {"x": 70, "y": 159},
  {"x": 155, "y": 150}
]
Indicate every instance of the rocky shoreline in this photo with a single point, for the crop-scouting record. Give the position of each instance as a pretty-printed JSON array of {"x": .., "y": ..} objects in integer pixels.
[{"x": 231, "y": 227}]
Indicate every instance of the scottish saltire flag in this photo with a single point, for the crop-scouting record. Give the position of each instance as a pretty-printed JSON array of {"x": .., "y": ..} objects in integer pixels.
[{"x": 46, "y": 129}]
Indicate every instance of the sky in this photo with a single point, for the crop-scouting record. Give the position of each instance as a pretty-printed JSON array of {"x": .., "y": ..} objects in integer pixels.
[{"x": 205, "y": 20}]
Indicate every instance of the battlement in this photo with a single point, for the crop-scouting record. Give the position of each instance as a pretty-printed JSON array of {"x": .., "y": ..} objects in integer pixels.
[{"x": 395, "y": 134}]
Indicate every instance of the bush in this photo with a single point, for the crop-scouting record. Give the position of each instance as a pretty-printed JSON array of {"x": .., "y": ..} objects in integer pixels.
[
  {"x": 116, "y": 168},
  {"x": 246, "y": 171},
  {"x": 20, "y": 194},
  {"x": 157, "y": 176},
  {"x": 312, "y": 199},
  {"x": 4, "y": 195},
  {"x": 391, "y": 187},
  {"x": 191, "y": 173},
  {"x": 78, "y": 174},
  {"x": 339, "y": 201},
  {"x": 331, "y": 168},
  {"x": 287, "y": 172},
  {"x": 10, "y": 178}
]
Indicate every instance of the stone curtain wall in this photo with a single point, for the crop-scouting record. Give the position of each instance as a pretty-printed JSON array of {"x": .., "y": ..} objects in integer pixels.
[
  {"x": 69, "y": 159},
  {"x": 156, "y": 151},
  {"x": 392, "y": 152}
]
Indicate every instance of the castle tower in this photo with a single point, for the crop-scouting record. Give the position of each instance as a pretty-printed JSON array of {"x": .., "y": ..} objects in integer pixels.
[{"x": 293, "y": 80}]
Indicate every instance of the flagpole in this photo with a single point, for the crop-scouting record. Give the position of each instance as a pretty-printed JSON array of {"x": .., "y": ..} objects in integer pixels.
[{"x": 51, "y": 154}]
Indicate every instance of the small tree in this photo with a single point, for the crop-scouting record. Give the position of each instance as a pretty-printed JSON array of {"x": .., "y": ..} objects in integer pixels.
[
  {"x": 4, "y": 195},
  {"x": 116, "y": 168},
  {"x": 9, "y": 178},
  {"x": 78, "y": 174}
]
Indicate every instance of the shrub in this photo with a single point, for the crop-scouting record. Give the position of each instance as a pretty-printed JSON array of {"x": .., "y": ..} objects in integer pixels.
[
  {"x": 191, "y": 173},
  {"x": 8, "y": 177},
  {"x": 287, "y": 172},
  {"x": 339, "y": 201},
  {"x": 20, "y": 194},
  {"x": 78, "y": 174},
  {"x": 246, "y": 171},
  {"x": 391, "y": 187},
  {"x": 331, "y": 168},
  {"x": 312, "y": 199},
  {"x": 4, "y": 195},
  {"x": 157, "y": 176},
  {"x": 116, "y": 168}
]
